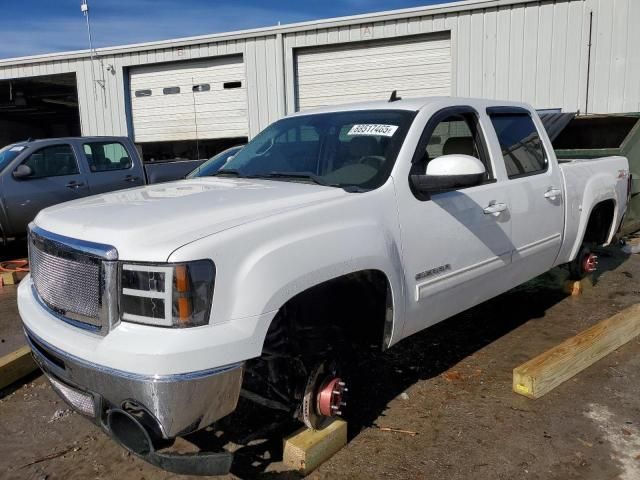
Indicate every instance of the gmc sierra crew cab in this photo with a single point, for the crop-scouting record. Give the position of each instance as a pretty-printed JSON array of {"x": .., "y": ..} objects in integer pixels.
[{"x": 152, "y": 309}]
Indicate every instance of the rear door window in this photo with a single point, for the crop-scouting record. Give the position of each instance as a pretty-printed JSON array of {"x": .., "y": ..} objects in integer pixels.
[
  {"x": 107, "y": 156},
  {"x": 521, "y": 145},
  {"x": 52, "y": 161}
]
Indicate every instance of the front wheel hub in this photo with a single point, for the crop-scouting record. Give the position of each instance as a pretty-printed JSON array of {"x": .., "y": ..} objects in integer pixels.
[
  {"x": 590, "y": 263},
  {"x": 323, "y": 397},
  {"x": 330, "y": 398}
]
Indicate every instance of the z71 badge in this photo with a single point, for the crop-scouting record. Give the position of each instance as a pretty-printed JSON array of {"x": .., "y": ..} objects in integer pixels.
[{"x": 433, "y": 271}]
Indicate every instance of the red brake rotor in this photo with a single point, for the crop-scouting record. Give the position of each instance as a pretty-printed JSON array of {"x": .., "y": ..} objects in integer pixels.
[
  {"x": 323, "y": 397},
  {"x": 590, "y": 263},
  {"x": 331, "y": 397}
]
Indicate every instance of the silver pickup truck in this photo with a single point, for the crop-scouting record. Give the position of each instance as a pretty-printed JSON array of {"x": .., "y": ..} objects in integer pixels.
[{"x": 39, "y": 173}]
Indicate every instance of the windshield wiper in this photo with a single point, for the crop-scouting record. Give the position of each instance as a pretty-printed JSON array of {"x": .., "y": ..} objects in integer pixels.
[
  {"x": 292, "y": 175},
  {"x": 315, "y": 179},
  {"x": 228, "y": 171},
  {"x": 301, "y": 175}
]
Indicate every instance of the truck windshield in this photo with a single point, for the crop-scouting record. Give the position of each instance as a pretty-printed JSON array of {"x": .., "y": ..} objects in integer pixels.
[
  {"x": 8, "y": 153},
  {"x": 355, "y": 149},
  {"x": 211, "y": 166}
]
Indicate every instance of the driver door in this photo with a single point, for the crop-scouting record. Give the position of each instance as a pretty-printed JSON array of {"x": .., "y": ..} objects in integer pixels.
[
  {"x": 456, "y": 244},
  {"x": 56, "y": 178}
]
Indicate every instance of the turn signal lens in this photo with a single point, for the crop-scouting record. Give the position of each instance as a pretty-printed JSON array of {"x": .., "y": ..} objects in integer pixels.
[{"x": 182, "y": 278}]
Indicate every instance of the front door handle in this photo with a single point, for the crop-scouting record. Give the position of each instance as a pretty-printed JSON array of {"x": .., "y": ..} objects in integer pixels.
[
  {"x": 131, "y": 178},
  {"x": 494, "y": 209},
  {"x": 552, "y": 193},
  {"x": 73, "y": 184}
]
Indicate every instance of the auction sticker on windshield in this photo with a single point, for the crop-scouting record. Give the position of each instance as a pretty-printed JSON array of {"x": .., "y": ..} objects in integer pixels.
[{"x": 373, "y": 129}]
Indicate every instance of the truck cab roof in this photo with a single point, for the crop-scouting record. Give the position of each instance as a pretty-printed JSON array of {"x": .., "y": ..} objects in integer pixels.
[
  {"x": 413, "y": 104},
  {"x": 38, "y": 141}
]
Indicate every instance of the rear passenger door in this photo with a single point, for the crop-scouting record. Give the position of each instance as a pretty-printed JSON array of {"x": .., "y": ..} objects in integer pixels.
[
  {"x": 56, "y": 178},
  {"x": 535, "y": 189},
  {"x": 110, "y": 166}
]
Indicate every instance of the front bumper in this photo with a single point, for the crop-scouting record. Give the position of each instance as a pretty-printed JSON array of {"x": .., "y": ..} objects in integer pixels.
[{"x": 178, "y": 404}]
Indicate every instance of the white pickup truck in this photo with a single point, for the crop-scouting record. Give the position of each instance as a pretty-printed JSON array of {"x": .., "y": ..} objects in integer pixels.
[{"x": 151, "y": 310}]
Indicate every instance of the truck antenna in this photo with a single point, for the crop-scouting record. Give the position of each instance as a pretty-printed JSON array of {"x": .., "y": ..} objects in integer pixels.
[{"x": 84, "y": 8}]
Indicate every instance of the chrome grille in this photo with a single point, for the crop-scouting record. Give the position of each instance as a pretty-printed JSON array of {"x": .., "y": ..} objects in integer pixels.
[
  {"x": 71, "y": 286},
  {"x": 75, "y": 279}
]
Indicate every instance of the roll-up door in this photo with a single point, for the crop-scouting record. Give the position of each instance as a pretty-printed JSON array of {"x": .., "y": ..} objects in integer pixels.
[
  {"x": 203, "y": 99},
  {"x": 415, "y": 67}
]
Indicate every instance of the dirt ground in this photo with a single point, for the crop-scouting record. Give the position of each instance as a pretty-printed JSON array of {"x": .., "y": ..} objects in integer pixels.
[
  {"x": 451, "y": 384},
  {"x": 11, "y": 337}
]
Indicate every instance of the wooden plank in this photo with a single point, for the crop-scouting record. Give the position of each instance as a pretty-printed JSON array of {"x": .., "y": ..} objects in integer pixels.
[
  {"x": 540, "y": 375},
  {"x": 8, "y": 278},
  {"x": 11, "y": 278},
  {"x": 307, "y": 449},
  {"x": 578, "y": 287},
  {"x": 16, "y": 365}
]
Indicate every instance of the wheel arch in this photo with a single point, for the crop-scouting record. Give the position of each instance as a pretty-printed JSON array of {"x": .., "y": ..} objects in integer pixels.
[
  {"x": 591, "y": 227},
  {"x": 386, "y": 324},
  {"x": 601, "y": 222}
]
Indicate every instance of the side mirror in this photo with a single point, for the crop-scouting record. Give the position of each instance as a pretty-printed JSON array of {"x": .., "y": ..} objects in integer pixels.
[
  {"x": 23, "y": 171},
  {"x": 449, "y": 172}
]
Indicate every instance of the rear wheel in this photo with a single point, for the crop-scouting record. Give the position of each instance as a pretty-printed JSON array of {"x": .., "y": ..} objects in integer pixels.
[{"x": 585, "y": 263}]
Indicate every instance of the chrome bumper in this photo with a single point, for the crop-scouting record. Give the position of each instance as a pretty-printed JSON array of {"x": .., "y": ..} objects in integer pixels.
[{"x": 180, "y": 404}]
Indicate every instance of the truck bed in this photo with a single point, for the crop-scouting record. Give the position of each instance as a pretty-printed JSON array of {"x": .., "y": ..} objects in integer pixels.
[{"x": 581, "y": 178}]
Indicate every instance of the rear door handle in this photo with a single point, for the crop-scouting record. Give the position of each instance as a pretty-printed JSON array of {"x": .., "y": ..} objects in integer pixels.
[
  {"x": 73, "y": 184},
  {"x": 494, "y": 209},
  {"x": 131, "y": 178},
  {"x": 552, "y": 193}
]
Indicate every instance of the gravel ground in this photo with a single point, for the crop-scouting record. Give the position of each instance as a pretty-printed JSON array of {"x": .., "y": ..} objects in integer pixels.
[{"x": 450, "y": 384}]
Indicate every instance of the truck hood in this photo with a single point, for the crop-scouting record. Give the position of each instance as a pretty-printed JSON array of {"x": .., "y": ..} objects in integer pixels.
[{"x": 148, "y": 223}]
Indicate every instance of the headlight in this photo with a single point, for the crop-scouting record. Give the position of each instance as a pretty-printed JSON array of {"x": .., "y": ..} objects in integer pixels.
[{"x": 168, "y": 294}]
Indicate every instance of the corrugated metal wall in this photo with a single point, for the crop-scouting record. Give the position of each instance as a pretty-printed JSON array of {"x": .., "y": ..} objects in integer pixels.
[
  {"x": 104, "y": 111},
  {"x": 535, "y": 52}
]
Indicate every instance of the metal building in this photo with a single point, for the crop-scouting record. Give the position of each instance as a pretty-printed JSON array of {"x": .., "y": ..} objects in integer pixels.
[{"x": 219, "y": 89}]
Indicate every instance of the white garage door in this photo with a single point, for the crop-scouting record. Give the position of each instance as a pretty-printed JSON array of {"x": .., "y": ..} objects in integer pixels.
[
  {"x": 372, "y": 70},
  {"x": 194, "y": 99}
]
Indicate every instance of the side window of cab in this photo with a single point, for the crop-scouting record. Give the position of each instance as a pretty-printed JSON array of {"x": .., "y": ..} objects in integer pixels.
[
  {"x": 107, "y": 156},
  {"x": 453, "y": 136},
  {"x": 520, "y": 142},
  {"x": 52, "y": 161}
]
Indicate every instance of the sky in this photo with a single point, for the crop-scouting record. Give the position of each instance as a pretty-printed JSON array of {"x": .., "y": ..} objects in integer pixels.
[{"x": 30, "y": 27}]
